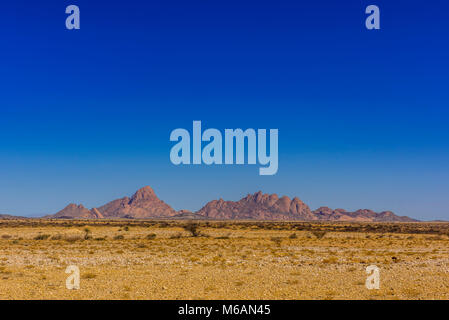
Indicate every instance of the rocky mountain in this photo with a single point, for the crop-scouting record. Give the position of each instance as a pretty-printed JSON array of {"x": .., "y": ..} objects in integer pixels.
[
  {"x": 10, "y": 217},
  {"x": 258, "y": 206},
  {"x": 328, "y": 214},
  {"x": 74, "y": 211},
  {"x": 270, "y": 207},
  {"x": 143, "y": 204}
]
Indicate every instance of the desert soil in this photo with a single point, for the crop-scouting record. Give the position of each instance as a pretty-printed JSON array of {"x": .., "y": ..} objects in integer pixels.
[{"x": 161, "y": 260}]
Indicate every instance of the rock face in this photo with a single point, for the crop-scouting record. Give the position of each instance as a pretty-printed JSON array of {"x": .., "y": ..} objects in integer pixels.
[
  {"x": 258, "y": 206},
  {"x": 97, "y": 214},
  {"x": 74, "y": 211},
  {"x": 270, "y": 207},
  {"x": 143, "y": 204}
]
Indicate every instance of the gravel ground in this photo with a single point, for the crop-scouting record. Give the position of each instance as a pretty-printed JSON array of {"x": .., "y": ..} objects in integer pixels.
[{"x": 222, "y": 263}]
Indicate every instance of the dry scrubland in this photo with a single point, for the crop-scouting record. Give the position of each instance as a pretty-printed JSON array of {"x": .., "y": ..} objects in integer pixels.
[{"x": 226, "y": 260}]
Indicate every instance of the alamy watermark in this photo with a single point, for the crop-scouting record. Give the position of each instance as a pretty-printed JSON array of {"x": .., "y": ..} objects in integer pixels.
[
  {"x": 72, "y": 22},
  {"x": 372, "y": 22},
  {"x": 234, "y": 140},
  {"x": 373, "y": 279},
  {"x": 73, "y": 280}
]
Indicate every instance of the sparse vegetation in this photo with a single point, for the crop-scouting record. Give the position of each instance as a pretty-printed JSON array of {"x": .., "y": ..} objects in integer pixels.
[
  {"x": 277, "y": 240},
  {"x": 227, "y": 236},
  {"x": 42, "y": 237},
  {"x": 88, "y": 275},
  {"x": 87, "y": 234},
  {"x": 319, "y": 233},
  {"x": 292, "y": 260},
  {"x": 192, "y": 227}
]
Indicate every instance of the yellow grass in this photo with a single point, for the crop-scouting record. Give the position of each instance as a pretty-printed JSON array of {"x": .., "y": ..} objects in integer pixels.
[{"x": 161, "y": 260}]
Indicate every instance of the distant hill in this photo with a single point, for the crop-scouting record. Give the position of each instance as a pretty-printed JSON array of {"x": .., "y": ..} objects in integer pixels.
[
  {"x": 74, "y": 211},
  {"x": 258, "y": 207},
  {"x": 9, "y": 217},
  {"x": 327, "y": 214},
  {"x": 144, "y": 204},
  {"x": 270, "y": 207}
]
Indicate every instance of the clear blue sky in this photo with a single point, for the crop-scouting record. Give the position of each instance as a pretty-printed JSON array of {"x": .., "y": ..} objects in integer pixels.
[{"x": 363, "y": 116}]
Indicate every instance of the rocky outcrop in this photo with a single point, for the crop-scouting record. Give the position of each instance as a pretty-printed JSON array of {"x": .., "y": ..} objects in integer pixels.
[
  {"x": 143, "y": 204},
  {"x": 258, "y": 206},
  {"x": 97, "y": 214},
  {"x": 327, "y": 214},
  {"x": 261, "y": 206},
  {"x": 74, "y": 211}
]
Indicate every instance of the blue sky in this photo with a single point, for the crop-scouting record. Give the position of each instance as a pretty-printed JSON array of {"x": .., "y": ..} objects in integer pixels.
[{"x": 363, "y": 116}]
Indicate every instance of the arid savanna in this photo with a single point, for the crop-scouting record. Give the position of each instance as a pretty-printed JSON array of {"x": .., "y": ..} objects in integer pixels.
[{"x": 148, "y": 259}]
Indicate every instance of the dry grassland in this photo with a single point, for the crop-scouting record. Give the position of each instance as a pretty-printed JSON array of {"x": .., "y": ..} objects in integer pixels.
[{"x": 226, "y": 260}]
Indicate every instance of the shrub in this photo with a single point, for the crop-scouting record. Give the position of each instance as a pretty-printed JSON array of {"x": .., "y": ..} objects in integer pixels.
[
  {"x": 319, "y": 233},
  {"x": 42, "y": 237},
  {"x": 86, "y": 234},
  {"x": 223, "y": 237},
  {"x": 276, "y": 240},
  {"x": 192, "y": 228}
]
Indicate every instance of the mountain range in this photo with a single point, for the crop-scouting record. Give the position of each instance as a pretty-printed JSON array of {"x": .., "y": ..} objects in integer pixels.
[{"x": 144, "y": 204}]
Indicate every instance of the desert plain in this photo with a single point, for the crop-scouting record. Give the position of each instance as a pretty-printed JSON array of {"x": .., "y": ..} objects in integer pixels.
[{"x": 138, "y": 259}]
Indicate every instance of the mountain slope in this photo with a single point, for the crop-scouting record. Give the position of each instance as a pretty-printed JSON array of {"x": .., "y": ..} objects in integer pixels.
[
  {"x": 270, "y": 207},
  {"x": 143, "y": 204},
  {"x": 259, "y": 207},
  {"x": 74, "y": 211}
]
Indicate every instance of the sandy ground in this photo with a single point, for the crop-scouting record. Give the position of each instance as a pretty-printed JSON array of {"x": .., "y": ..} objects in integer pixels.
[{"x": 225, "y": 262}]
